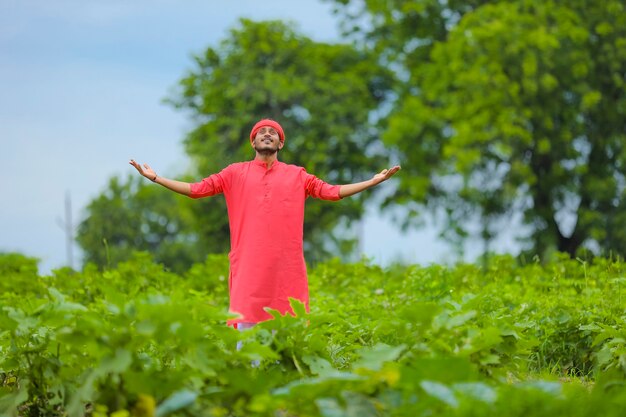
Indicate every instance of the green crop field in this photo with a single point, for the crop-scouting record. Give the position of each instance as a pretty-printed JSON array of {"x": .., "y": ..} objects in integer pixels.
[{"x": 506, "y": 339}]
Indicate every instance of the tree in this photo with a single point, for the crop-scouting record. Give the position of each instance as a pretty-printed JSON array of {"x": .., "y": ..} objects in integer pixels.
[
  {"x": 322, "y": 94},
  {"x": 513, "y": 107},
  {"x": 131, "y": 216}
]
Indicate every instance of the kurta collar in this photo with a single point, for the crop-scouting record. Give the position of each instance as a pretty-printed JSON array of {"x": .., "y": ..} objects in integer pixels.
[{"x": 264, "y": 164}]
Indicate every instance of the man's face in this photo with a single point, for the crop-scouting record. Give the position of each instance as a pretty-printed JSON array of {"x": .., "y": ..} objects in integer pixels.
[{"x": 267, "y": 141}]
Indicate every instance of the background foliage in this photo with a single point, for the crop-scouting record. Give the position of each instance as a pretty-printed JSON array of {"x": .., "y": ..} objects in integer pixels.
[
  {"x": 505, "y": 115},
  {"x": 505, "y": 110},
  {"x": 322, "y": 94}
]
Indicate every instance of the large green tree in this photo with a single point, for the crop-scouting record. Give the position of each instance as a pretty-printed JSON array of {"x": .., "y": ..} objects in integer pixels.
[
  {"x": 131, "y": 216},
  {"x": 507, "y": 108},
  {"x": 323, "y": 95}
]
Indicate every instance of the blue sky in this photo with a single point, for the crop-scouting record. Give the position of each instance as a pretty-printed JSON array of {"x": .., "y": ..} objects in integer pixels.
[{"x": 82, "y": 87}]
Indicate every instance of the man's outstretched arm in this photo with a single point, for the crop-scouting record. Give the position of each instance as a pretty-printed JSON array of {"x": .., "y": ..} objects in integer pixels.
[
  {"x": 350, "y": 189},
  {"x": 180, "y": 187}
]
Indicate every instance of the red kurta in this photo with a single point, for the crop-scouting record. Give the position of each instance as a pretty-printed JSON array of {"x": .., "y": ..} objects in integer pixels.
[{"x": 266, "y": 217}]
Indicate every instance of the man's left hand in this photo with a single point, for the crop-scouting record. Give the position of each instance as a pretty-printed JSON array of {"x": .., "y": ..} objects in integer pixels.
[{"x": 385, "y": 174}]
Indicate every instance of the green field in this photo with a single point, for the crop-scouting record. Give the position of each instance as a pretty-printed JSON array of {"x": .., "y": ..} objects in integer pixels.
[{"x": 506, "y": 339}]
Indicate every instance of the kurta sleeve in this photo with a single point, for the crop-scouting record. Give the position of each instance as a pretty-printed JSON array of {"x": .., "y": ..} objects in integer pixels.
[
  {"x": 211, "y": 185},
  {"x": 317, "y": 188}
]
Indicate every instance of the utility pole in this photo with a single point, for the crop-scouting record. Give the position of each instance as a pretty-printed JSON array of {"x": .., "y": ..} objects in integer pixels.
[{"x": 68, "y": 227}]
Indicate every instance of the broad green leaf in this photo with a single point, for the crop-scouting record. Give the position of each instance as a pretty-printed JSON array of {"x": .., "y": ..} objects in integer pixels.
[
  {"x": 440, "y": 391},
  {"x": 329, "y": 407},
  {"x": 477, "y": 390},
  {"x": 9, "y": 403},
  {"x": 374, "y": 357},
  {"x": 317, "y": 365},
  {"x": 326, "y": 378},
  {"x": 176, "y": 401},
  {"x": 117, "y": 363}
]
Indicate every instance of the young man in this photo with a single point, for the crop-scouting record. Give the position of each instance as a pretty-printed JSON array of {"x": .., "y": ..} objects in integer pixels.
[{"x": 265, "y": 201}]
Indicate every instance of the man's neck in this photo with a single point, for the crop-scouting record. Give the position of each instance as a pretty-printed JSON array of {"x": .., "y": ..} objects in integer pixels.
[{"x": 268, "y": 159}]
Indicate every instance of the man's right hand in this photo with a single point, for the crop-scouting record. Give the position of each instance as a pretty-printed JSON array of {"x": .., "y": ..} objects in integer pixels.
[
  {"x": 180, "y": 187},
  {"x": 146, "y": 171}
]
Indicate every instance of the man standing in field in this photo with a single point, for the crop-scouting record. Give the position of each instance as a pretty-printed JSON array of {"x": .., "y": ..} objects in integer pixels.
[{"x": 265, "y": 201}]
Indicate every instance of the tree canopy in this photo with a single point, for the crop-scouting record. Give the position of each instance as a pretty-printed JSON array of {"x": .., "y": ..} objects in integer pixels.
[
  {"x": 130, "y": 216},
  {"x": 497, "y": 110},
  {"x": 322, "y": 94},
  {"x": 506, "y": 108}
]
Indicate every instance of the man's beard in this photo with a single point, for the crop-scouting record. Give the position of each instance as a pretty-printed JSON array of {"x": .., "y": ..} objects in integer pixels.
[{"x": 267, "y": 151}]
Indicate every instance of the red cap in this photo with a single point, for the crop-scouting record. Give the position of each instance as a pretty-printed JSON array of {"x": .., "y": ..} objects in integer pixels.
[{"x": 270, "y": 123}]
